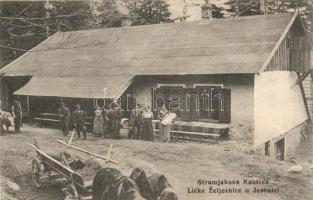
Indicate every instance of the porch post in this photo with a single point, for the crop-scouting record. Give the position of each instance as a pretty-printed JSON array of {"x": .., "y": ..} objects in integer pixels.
[{"x": 27, "y": 101}]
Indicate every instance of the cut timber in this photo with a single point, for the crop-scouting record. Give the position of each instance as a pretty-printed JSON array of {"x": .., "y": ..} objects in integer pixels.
[
  {"x": 87, "y": 152},
  {"x": 109, "y": 152},
  {"x": 87, "y": 198},
  {"x": 71, "y": 138}
]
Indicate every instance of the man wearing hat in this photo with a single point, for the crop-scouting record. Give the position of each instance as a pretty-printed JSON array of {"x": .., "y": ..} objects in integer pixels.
[
  {"x": 79, "y": 121},
  {"x": 116, "y": 120},
  {"x": 17, "y": 114},
  {"x": 64, "y": 115}
]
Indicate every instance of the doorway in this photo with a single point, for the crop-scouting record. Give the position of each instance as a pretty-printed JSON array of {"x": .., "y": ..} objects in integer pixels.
[{"x": 280, "y": 149}]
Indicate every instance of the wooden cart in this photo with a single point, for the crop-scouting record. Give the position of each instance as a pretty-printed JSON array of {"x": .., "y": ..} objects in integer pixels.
[{"x": 47, "y": 169}]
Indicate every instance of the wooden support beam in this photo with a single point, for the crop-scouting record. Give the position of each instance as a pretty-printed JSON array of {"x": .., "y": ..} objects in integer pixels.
[
  {"x": 302, "y": 77},
  {"x": 27, "y": 101},
  {"x": 109, "y": 152},
  {"x": 87, "y": 152},
  {"x": 71, "y": 137},
  {"x": 304, "y": 99}
]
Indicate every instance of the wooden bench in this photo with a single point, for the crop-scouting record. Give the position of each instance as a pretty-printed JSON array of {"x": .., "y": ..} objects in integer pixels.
[
  {"x": 44, "y": 118},
  {"x": 53, "y": 118},
  {"x": 192, "y": 133},
  {"x": 54, "y": 115}
]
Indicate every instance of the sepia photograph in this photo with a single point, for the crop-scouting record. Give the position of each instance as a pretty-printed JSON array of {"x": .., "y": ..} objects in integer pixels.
[{"x": 156, "y": 100}]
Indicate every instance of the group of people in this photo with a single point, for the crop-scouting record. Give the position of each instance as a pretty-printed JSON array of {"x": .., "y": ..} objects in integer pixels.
[
  {"x": 107, "y": 122},
  {"x": 141, "y": 124},
  {"x": 78, "y": 120}
]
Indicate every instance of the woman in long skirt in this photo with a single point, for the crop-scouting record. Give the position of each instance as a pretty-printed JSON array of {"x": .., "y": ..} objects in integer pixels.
[
  {"x": 98, "y": 124},
  {"x": 147, "y": 128},
  {"x": 116, "y": 121},
  {"x": 163, "y": 128}
]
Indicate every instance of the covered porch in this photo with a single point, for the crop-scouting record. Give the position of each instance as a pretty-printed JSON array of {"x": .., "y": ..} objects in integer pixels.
[{"x": 196, "y": 130}]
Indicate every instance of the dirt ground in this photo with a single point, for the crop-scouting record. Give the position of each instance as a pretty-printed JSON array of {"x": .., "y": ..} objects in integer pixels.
[{"x": 183, "y": 163}]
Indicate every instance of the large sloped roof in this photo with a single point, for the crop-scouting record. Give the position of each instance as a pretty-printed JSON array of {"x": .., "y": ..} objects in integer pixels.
[{"x": 218, "y": 46}]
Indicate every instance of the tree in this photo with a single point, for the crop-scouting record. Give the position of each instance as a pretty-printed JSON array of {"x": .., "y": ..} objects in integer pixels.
[
  {"x": 244, "y": 7},
  {"x": 304, "y": 7},
  {"x": 149, "y": 12},
  {"x": 107, "y": 14},
  {"x": 217, "y": 11},
  {"x": 253, "y": 7},
  {"x": 23, "y": 25}
]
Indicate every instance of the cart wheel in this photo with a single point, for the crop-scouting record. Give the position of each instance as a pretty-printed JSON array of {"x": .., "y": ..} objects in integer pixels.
[{"x": 36, "y": 173}]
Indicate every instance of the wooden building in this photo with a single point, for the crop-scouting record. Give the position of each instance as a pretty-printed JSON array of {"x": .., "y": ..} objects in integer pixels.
[{"x": 250, "y": 68}]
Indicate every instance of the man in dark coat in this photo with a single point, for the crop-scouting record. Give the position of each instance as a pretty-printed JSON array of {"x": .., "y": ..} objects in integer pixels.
[
  {"x": 17, "y": 114},
  {"x": 64, "y": 115},
  {"x": 116, "y": 121},
  {"x": 79, "y": 121},
  {"x": 135, "y": 123}
]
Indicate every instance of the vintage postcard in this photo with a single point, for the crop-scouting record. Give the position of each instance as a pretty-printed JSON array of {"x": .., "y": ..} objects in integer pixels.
[{"x": 156, "y": 100}]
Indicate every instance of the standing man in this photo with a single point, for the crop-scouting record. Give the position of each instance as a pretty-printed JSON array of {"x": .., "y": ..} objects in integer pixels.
[
  {"x": 116, "y": 121},
  {"x": 79, "y": 121},
  {"x": 135, "y": 123},
  {"x": 17, "y": 115},
  {"x": 64, "y": 115}
]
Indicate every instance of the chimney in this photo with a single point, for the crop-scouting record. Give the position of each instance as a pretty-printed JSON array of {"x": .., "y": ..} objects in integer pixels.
[
  {"x": 126, "y": 20},
  {"x": 207, "y": 11},
  {"x": 263, "y": 7}
]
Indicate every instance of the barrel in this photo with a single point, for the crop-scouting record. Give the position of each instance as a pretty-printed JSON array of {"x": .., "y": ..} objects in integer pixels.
[
  {"x": 125, "y": 123},
  {"x": 124, "y": 133}
]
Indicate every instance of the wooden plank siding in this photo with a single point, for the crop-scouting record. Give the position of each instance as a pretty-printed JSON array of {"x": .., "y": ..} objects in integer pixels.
[
  {"x": 281, "y": 59},
  {"x": 293, "y": 53}
]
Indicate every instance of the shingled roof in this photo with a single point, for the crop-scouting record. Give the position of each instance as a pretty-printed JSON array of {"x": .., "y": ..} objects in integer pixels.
[{"x": 218, "y": 46}]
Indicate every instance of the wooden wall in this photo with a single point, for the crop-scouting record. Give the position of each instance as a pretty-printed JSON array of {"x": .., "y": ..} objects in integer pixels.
[
  {"x": 281, "y": 59},
  {"x": 300, "y": 53},
  {"x": 294, "y": 52}
]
